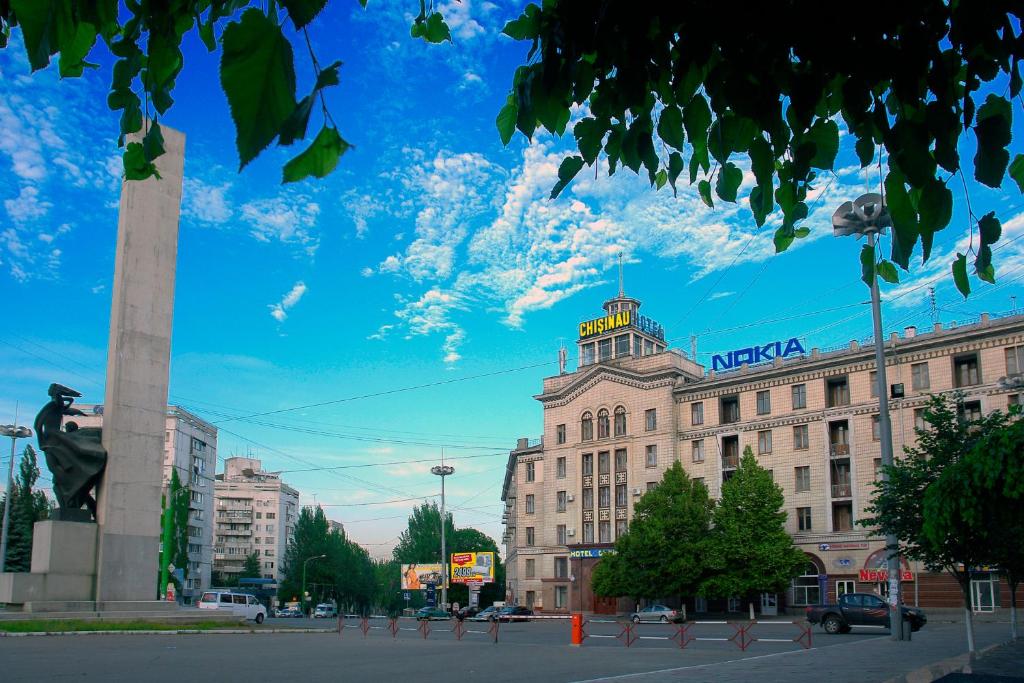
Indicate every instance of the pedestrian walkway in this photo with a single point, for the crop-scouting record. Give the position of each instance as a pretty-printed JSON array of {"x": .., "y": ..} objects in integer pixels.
[{"x": 1001, "y": 664}]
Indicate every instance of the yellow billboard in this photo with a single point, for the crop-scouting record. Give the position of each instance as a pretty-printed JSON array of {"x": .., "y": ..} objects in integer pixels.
[
  {"x": 416, "y": 576},
  {"x": 473, "y": 567}
]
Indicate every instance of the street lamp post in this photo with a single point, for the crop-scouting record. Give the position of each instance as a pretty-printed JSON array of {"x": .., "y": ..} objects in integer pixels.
[
  {"x": 443, "y": 471},
  {"x": 868, "y": 216},
  {"x": 305, "y": 563},
  {"x": 15, "y": 432}
]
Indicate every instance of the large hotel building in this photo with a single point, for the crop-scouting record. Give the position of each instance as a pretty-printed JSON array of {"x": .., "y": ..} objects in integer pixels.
[{"x": 634, "y": 406}]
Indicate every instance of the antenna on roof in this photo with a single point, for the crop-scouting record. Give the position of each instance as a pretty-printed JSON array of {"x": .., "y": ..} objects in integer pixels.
[
  {"x": 934, "y": 308},
  {"x": 622, "y": 292}
]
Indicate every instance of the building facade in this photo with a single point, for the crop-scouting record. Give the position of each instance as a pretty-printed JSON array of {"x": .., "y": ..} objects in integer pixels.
[
  {"x": 256, "y": 513},
  {"x": 190, "y": 447},
  {"x": 634, "y": 406}
]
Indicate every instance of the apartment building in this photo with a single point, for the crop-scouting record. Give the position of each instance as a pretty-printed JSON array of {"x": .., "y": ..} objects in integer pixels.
[
  {"x": 190, "y": 447},
  {"x": 256, "y": 513},
  {"x": 634, "y": 406}
]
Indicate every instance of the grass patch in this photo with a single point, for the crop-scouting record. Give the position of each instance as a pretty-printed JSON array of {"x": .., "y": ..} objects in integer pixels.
[{"x": 64, "y": 625}]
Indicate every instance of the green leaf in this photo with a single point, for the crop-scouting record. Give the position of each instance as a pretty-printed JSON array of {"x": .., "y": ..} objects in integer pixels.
[
  {"x": 993, "y": 130},
  {"x": 153, "y": 142},
  {"x": 696, "y": 120},
  {"x": 960, "y": 275},
  {"x": 905, "y": 228},
  {"x": 675, "y": 167},
  {"x": 432, "y": 29},
  {"x": 936, "y": 210},
  {"x": 825, "y": 136},
  {"x": 301, "y": 12},
  {"x": 46, "y": 25},
  {"x": 588, "y": 133},
  {"x": 729, "y": 179},
  {"x": 670, "y": 127},
  {"x": 319, "y": 159},
  {"x": 506, "y": 120},
  {"x": 989, "y": 230},
  {"x": 887, "y": 271},
  {"x": 525, "y": 27},
  {"x": 1017, "y": 171},
  {"x": 867, "y": 264},
  {"x": 660, "y": 178},
  {"x": 801, "y": 233},
  {"x": 783, "y": 238},
  {"x": 567, "y": 170},
  {"x": 207, "y": 35},
  {"x": 328, "y": 76},
  {"x": 73, "y": 52},
  {"x": 258, "y": 77},
  {"x": 136, "y": 166},
  {"x": 294, "y": 127},
  {"x": 704, "y": 188},
  {"x": 865, "y": 149}
]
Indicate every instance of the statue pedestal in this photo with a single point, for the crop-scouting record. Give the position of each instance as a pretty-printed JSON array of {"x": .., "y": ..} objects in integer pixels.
[{"x": 63, "y": 565}]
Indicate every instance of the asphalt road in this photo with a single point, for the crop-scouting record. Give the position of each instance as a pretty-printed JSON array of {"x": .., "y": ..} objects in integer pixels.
[{"x": 536, "y": 651}]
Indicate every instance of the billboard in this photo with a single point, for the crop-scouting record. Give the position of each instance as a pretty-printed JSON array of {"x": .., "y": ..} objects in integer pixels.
[
  {"x": 473, "y": 567},
  {"x": 416, "y": 577}
]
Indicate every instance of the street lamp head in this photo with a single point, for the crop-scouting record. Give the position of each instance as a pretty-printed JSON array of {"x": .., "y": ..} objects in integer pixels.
[
  {"x": 865, "y": 215},
  {"x": 442, "y": 470},
  {"x": 15, "y": 432}
]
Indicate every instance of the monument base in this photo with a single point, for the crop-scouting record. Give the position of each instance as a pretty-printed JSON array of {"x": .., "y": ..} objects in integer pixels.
[{"x": 63, "y": 566}]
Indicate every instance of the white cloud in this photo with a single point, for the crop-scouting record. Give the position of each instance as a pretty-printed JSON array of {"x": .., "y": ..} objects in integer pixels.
[
  {"x": 27, "y": 205},
  {"x": 204, "y": 202},
  {"x": 290, "y": 219},
  {"x": 720, "y": 295},
  {"x": 279, "y": 310}
]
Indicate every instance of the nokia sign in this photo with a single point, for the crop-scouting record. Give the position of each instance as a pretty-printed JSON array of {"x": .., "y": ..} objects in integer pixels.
[{"x": 756, "y": 354}]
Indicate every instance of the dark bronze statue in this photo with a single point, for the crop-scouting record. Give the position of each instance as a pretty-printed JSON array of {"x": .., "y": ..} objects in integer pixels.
[{"x": 75, "y": 456}]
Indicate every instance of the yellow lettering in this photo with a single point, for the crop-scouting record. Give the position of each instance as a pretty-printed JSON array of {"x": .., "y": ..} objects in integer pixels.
[
  {"x": 627, "y": 315},
  {"x": 583, "y": 330}
]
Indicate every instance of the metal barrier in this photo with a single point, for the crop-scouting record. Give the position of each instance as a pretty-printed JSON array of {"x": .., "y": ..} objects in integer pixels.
[{"x": 393, "y": 626}]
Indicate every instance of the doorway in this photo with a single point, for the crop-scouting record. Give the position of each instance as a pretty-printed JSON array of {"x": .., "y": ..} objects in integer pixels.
[
  {"x": 983, "y": 594},
  {"x": 769, "y": 604},
  {"x": 603, "y": 605}
]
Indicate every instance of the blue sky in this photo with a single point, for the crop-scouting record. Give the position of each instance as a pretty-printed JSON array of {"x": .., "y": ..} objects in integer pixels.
[{"x": 430, "y": 257}]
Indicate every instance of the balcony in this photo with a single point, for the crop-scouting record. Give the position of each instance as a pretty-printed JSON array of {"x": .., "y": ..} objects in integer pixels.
[
  {"x": 841, "y": 491},
  {"x": 234, "y": 532},
  {"x": 234, "y": 514},
  {"x": 839, "y": 450},
  {"x": 730, "y": 462}
]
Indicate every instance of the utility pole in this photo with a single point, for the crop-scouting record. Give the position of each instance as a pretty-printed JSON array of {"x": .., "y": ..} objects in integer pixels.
[
  {"x": 868, "y": 216},
  {"x": 15, "y": 432},
  {"x": 443, "y": 471},
  {"x": 934, "y": 308}
]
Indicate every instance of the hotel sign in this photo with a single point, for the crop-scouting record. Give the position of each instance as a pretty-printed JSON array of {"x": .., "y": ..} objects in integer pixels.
[
  {"x": 591, "y": 552},
  {"x": 756, "y": 354},
  {"x": 621, "y": 320}
]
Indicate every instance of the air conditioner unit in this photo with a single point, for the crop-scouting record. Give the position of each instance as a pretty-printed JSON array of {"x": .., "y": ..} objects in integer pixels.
[
  {"x": 570, "y": 498},
  {"x": 570, "y": 532},
  {"x": 637, "y": 492}
]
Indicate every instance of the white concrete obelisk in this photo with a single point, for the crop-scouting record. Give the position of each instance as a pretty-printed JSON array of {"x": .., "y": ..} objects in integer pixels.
[{"x": 138, "y": 361}]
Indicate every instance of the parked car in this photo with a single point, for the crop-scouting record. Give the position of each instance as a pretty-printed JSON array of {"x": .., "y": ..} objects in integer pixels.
[
  {"x": 325, "y": 610},
  {"x": 241, "y": 604},
  {"x": 861, "y": 609},
  {"x": 432, "y": 614},
  {"x": 517, "y": 611},
  {"x": 289, "y": 613},
  {"x": 485, "y": 614},
  {"x": 658, "y": 613},
  {"x": 467, "y": 612}
]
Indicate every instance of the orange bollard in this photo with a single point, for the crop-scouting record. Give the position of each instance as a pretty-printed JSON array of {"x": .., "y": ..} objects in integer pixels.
[{"x": 577, "y": 629}]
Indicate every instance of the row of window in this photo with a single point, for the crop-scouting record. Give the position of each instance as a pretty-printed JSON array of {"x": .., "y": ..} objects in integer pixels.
[
  {"x": 619, "y": 347},
  {"x": 966, "y": 372},
  {"x": 650, "y": 460},
  {"x": 604, "y": 425},
  {"x": 604, "y": 532}
]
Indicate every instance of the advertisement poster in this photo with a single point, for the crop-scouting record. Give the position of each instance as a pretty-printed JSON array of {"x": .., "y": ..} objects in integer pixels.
[
  {"x": 473, "y": 567},
  {"x": 416, "y": 577}
]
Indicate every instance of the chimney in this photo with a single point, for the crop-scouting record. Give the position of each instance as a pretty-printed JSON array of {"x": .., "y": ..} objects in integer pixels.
[
  {"x": 522, "y": 443},
  {"x": 854, "y": 345},
  {"x": 984, "y": 319},
  {"x": 937, "y": 327},
  {"x": 910, "y": 332}
]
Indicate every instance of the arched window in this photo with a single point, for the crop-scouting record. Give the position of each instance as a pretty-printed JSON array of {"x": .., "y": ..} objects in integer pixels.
[
  {"x": 587, "y": 426},
  {"x": 602, "y": 424},
  {"x": 806, "y": 588},
  {"x": 620, "y": 421}
]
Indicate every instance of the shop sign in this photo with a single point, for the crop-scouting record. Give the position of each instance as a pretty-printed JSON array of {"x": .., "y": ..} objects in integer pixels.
[
  {"x": 756, "y": 354},
  {"x": 591, "y": 552},
  {"x": 621, "y": 320},
  {"x": 843, "y": 562},
  {"x": 472, "y": 567},
  {"x": 825, "y": 547},
  {"x": 882, "y": 576}
]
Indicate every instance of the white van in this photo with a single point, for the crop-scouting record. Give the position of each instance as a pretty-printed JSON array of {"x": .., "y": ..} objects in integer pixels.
[{"x": 241, "y": 604}]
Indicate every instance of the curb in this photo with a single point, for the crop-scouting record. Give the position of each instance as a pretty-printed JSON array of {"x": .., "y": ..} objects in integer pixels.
[
  {"x": 936, "y": 670},
  {"x": 172, "y": 632}
]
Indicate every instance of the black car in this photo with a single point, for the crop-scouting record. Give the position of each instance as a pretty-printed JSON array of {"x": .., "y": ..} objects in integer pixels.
[
  {"x": 513, "y": 613},
  {"x": 467, "y": 612},
  {"x": 861, "y": 609}
]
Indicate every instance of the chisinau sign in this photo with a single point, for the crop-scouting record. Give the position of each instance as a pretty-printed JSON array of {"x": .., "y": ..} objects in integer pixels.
[{"x": 756, "y": 354}]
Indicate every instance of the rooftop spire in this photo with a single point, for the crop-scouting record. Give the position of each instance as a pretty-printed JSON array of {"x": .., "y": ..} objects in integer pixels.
[{"x": 622, "y": 291}]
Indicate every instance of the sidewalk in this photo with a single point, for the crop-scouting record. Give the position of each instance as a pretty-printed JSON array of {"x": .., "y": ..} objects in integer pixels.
[{"x": 1002, "y": 663}]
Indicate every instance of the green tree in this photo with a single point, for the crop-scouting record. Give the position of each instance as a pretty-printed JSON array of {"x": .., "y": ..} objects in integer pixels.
[
  {"x": 749, "y": 550},
  {"x": 27, "y": 507},
  {"x": 975, "y": 509},
  {"x": 179, "y": 497},
  {"x": 251, "y": 569},
  {"x": 898, "y": 506},
  {"x": 663, "y": 554}
]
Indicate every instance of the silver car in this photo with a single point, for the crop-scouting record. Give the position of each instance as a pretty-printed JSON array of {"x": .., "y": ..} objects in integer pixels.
[{"x": 658, "y": 613}]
